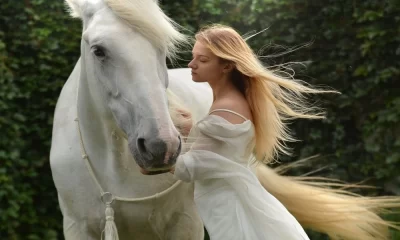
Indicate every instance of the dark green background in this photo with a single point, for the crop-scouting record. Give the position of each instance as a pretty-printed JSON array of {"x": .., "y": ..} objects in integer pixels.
[{"x": 351, "y": 45}]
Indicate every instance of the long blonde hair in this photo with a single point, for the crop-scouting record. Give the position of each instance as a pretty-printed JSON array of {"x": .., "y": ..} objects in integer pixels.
[
  {"x": 273, "y": 98},
  {"x": 315, "y": 202}
]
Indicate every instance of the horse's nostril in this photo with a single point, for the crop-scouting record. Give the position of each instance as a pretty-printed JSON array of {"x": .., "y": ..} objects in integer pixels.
[{"x": 141, "y": 145}]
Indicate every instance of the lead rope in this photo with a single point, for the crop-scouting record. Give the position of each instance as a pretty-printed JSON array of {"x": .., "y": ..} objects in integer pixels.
[{"x": 110, "y": 231}]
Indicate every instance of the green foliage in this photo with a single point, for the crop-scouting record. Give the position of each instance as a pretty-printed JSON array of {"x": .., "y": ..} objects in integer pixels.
[
  {"x": 38, "y": 48},
  {"x": 355, "y": 49}
]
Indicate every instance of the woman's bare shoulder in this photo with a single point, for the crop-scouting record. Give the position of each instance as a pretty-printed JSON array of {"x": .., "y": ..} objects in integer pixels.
[{"x": 232, "y": 103}]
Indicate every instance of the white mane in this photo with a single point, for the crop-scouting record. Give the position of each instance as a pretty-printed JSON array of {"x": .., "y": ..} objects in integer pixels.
[{"x": 147, "y": 18}]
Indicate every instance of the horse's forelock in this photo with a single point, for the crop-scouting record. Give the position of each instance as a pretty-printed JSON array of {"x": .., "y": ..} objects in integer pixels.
[{"x": 147, "y": 18}]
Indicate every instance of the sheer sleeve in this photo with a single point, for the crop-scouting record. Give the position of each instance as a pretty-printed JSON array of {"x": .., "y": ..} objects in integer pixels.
[{"x": 210, "y": 154}]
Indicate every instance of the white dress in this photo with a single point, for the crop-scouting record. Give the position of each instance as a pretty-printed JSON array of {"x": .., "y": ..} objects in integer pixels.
[{"x": 231, "y": 201}]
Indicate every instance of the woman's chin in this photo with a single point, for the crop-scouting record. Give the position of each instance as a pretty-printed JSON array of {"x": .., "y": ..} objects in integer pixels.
[{"x": 195, "y": 79}]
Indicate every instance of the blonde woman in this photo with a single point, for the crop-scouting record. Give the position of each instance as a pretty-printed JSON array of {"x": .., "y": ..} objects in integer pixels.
[{"x": 247, "y": 118}]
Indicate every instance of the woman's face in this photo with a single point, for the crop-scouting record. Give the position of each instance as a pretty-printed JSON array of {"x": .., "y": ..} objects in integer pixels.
[{"x": 205, "y": 65}]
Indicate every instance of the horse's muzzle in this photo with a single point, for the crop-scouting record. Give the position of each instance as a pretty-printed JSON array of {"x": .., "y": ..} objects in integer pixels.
[{"x": 154, "y": 157}]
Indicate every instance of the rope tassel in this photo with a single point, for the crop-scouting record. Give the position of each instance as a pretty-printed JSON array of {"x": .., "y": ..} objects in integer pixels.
[{"x": 110, "y": 230}]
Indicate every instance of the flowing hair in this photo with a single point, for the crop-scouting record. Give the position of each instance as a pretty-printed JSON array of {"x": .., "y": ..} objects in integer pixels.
[{"x": 274, "y": 99}]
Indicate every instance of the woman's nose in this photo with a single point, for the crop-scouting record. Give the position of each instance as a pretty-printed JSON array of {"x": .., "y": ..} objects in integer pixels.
[{"x": 191, "y": 64}]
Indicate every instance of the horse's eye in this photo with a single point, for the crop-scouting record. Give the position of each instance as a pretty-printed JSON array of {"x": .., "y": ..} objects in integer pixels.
[{"x": 99, "y": 52}]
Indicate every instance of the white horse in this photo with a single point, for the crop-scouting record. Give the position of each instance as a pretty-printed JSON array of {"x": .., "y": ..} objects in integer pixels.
[{"x": 112, "y": 118}]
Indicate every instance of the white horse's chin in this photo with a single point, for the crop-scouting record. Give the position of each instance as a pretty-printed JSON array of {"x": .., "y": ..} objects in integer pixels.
[{"x": 154, "y": 172}]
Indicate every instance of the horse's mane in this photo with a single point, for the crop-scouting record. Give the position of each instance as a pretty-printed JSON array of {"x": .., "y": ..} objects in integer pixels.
[{"x": 146, "y": 17}]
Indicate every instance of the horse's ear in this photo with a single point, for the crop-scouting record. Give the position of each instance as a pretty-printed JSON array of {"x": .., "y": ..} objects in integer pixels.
[{"x": 74, "y": 8}]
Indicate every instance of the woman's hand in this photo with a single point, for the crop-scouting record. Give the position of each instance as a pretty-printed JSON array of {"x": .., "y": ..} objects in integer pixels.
[{"x": 184, "y": 122}]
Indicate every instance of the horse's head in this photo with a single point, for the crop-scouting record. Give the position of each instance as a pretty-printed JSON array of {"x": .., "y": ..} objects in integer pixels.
[{"x": 124, "y": 46}]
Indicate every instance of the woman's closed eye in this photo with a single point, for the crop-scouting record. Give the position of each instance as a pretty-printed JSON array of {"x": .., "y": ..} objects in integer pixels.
[{"x": 201, "y": 58}]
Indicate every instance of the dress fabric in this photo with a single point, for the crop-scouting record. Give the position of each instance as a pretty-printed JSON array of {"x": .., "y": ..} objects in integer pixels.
[{"x": 231, "y": 201}]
